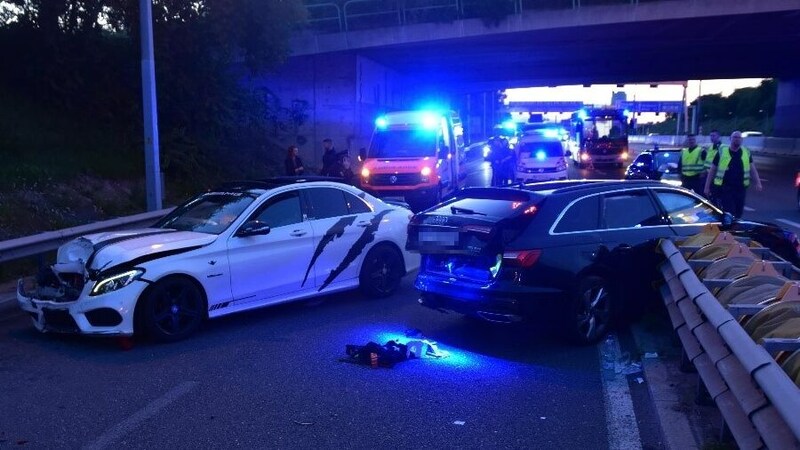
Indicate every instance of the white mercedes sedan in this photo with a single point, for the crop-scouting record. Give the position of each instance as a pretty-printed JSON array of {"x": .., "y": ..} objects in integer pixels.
[{"x": 244, "y": 245}]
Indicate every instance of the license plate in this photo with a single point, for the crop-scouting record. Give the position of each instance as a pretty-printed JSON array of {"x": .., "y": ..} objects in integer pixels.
[{"x": 439, "y": 237}]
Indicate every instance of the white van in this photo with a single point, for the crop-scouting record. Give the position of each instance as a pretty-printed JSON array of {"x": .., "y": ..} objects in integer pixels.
[{"x": 540, "y": 158}]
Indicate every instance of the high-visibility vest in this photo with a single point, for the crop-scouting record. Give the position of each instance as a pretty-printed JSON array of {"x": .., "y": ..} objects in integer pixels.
[
  {"x": 711, "y": 152},
  {"x": 725, "y": 160},
  {"x": 691, "y": 161}
]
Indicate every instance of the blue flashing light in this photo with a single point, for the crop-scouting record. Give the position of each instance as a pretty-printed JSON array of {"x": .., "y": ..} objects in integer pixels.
[
  {"x": 582, "y": 114},
  {"x": 510, "y": 125},
  {"x": 430, "y": 120},
  {"x": 381, "y": 122},
  {"x": 551, "y": 133},
  {"x": 541, "y": 155}
]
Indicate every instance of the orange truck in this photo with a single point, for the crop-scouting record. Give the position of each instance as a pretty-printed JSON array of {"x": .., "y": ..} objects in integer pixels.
[{"x": 416, "y": 155}]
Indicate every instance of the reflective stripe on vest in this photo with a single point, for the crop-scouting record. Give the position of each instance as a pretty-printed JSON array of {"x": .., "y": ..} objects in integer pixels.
[
  {"x": 691, "y": 164},
  {"x": 725, "y": 160},
  {"x": 711, "y": 152}
]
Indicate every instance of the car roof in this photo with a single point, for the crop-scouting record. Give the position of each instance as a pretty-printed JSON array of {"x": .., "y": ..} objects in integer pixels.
[
  {"x": 266, "y": 184},
  {"x": 538, "y": 137},
  {"x": 587, "y": 186}
]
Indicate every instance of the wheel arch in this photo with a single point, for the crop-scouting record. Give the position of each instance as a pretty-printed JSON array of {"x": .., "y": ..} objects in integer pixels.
[{"x": 137, "y": 320}]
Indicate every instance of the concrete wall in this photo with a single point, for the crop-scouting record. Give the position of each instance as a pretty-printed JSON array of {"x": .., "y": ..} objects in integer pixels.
[{"x": 339, "y": 96}]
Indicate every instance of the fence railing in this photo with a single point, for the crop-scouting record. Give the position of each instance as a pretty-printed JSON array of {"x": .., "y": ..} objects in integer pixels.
[
  {"x": 754, "y": 393},
  {"x": 349, "y": 15},
  {"x": 38, "y": 244}
]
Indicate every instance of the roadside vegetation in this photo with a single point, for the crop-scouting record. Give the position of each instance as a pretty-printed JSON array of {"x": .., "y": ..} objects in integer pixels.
[{"x": 746, "y": 109}]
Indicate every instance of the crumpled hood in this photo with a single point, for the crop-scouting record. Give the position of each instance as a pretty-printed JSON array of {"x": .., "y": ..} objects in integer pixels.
[{"x": 109, "y": 249}]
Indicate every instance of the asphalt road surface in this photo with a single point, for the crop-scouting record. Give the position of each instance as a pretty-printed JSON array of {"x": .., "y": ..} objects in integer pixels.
[{"x": 273, "y": 378}]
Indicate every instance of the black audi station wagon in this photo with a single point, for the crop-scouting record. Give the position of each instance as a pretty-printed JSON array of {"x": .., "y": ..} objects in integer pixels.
[{"x": 583, "y": 250}]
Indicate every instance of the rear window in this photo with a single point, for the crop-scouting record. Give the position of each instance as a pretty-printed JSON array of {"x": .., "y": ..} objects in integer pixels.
[
  {"x": 481, "y": 207},
  {"x": 540, "y": 150}
]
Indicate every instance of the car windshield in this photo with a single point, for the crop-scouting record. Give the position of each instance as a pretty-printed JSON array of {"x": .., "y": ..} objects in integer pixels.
[
  {"x": 667, "y": 161},
  {"x": 604, "y": 128},
  {"x": 540, "y": 150},
  {"x": 403, "y": 143},
  {"x": 211, "y": 212}
]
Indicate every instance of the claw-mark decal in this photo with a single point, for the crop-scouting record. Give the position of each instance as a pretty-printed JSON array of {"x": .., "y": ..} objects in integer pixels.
[
  {"x": 219, "y": 306},
  {"x": 366, "y": 237},
  {"x": 336, "y": 231}
]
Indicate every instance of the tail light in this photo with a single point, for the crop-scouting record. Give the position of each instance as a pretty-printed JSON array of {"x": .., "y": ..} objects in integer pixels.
[
  {"x": 522, "y": 258},
  {"x": 797, "y": 180}
]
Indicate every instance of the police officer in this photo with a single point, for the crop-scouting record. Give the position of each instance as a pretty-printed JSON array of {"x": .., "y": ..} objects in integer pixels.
[
  {"x": 691, "y": 166},
  {"x": 501, "y": 158},
  {"x": 711, "y": 153},
  {"x": 731, "y": 172}
]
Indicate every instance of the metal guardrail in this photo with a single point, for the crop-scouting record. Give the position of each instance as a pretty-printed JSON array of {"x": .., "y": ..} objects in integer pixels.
[
  {"x": 362, "y": 14},
  {"x": 757, "y": 399},
  {"x": 44, "y": 242}
]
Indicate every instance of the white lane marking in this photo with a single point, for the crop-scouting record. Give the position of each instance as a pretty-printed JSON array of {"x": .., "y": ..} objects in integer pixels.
[
  {"x": 119, "y": 430},
  {"x": 623, "y": 431},
  {"x": 747, "y": 208},
  {"x": 789, "y": 222}
]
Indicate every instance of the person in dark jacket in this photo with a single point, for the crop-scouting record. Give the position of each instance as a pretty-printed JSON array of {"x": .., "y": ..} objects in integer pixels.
[
  {"x": 329, "y": 157},
  {"x": 342, "y": 168},
  {"x": 294, "y": 165}
]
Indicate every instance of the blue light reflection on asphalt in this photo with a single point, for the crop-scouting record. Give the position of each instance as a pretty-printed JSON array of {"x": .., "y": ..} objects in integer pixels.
[{"x": 456, "y": 359}]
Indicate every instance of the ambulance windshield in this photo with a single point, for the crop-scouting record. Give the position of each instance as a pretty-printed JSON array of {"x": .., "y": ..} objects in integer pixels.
[{"x": 403, "y": 143}]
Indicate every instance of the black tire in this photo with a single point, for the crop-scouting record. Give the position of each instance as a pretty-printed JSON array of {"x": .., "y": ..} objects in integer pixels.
[
  {"x": 171, "y": 309},
  {"x": 591, "y": 311},
  {"x": 381, "y": 272}
]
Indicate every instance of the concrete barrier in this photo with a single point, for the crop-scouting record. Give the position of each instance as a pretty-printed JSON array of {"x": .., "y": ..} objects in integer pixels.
[{"x": 758, "y": 144}]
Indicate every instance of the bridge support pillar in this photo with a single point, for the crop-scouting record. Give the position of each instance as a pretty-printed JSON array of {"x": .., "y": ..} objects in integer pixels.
[{"x": 787, "y": 109}]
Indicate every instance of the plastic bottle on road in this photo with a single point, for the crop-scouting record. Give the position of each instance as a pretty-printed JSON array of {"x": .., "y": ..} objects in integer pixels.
[{"x": 608, "y": 352}]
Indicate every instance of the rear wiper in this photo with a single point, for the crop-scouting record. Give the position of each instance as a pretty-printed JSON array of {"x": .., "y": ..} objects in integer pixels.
[{"x": 457, "y": 210}]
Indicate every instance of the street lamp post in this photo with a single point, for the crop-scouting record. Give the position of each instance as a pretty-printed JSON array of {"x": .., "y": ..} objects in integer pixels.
[{"x": 149, "y": 108}]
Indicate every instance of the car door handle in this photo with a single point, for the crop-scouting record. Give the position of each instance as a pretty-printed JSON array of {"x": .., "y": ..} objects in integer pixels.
[
  {"x": 362, "y": 224},
  {"x": 298, "y": 233}
]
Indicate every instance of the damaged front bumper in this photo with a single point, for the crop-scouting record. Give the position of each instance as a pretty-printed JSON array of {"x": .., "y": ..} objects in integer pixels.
[{"x": 109, "y": 314}]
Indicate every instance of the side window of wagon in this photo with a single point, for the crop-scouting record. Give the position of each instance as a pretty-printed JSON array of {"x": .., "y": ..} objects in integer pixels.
[
  {"x": 628, "y": 209},
  {"x": 582, "y": 215}
]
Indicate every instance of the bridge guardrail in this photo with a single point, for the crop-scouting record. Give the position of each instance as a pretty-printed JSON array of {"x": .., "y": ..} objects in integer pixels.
[
  {"x": 754, "y": 393},
  {"x": 350, "y": 14},
  {"x": 51, "y": 240}
]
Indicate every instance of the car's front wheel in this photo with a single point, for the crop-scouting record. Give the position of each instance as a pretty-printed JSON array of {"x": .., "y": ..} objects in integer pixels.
[
  {"x": 171, "y": 309},
  {"x": 591, "y": 310},
  {"x": 381, "y": 271}
]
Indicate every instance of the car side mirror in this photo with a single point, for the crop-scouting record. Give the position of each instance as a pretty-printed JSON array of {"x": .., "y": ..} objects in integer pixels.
[
  {"x": 253, "y": 228},
  {"x": 727, "y": 220}
]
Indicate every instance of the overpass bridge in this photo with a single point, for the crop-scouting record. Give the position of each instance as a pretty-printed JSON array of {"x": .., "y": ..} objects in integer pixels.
[{"x": 348, "y": 76}]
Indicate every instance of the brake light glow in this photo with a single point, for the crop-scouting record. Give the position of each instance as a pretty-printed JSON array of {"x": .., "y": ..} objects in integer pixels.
[
  {"x": 530, "y": 210},
  {"x": 797, "y": 180},
  {"x": 625, "y": 155},
  {"x": 584, "y": 156},
  {"x": 522, "y": 258}
]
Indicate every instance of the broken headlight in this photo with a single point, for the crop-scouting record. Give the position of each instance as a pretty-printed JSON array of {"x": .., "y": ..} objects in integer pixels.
[{"x": 110, "y": 283}]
